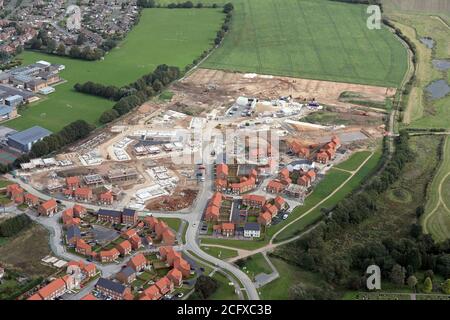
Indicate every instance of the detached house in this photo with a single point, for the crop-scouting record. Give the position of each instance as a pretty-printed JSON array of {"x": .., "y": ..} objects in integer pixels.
[
  {"x": 83, "y": 194},
  {"x": 138, "y": 262},
  {"x": 127, "y": 275},
  {"x": 124, "y": 247},
  {"x": 31, "y": 200},
  {"x": 81, "y": 247},
  {"x": 48, "y": 208}
]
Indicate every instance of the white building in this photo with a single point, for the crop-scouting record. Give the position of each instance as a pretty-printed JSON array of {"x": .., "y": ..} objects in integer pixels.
[{"x": 252, "y": 230}]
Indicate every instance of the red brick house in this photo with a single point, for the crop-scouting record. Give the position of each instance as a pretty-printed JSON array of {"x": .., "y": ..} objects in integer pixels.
[
  {"x": 81, "y": 247},
  {"x": 151, "y": 293},
  {"x": 164, "y": 285},
  {"x": 304, "y": 181},
  {"x": 176, "y": 277},
  {"x": 265, "y": 218},
  {"x": 127, "y": 275},
  {"x": 136, "y": 242},
  {"x": 48, "y": 208},
  {"x": 79, "y": 211},
  {"x": 130, "y": 233},
  {"x": 168, "y": 237},
  {"x": 245, "y": 185},
  {"x": 31, "y": 200},
  {"x": 124, "y": 247},
  {"x": 160, "y": 227},
  {"x": 171, "y": 256},
  {"x": 53, "y": 290},
  {"x": 164, "y": 251},
  {"x": 73, "y": 182},
  {"x": 151, "y": 222},
  {"x": 222, "y": 171},
  {"x": 183, "y": 266},
  {"x": 138, "y": 262},
  {"x": 14, "y": 190},
  {"x": 280, "y": 203},
  {"x": 212, "y": 213},
  {"x": 253, "y": 200},
  {"x": 275, "y": 186},
  {"x": 83, "y": 194},
  {"x": 106, "y": 198},
  {"x": 109, "y": 255},
  {"x": 272, "y": 209}
]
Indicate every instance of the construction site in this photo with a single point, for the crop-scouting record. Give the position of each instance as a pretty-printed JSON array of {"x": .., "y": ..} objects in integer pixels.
[{"x": 131, "y": 161}]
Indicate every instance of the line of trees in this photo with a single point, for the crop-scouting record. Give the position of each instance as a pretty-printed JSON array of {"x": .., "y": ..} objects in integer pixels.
[
  {"x": 14, "y": 225},
  {"x": 141, "y": 90},
  {"x": 98, "y": 89},
  {"x": 71, "y": 133}
]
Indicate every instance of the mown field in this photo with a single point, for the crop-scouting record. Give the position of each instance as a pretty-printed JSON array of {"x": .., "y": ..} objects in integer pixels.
[
  {"x": 436, "y": 220},
  {"x": 317, "y": 39},
  {"x": 173, "y": 37},
  {"x": 440, "y": 8}
]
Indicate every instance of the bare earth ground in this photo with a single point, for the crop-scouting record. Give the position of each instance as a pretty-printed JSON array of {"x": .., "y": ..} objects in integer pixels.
[
  {"x": 26, "y": 250},
  {"x": 213, "y": 86}
]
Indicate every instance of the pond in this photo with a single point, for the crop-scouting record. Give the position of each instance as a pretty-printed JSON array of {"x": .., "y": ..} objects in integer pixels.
[
  {"x": 441, "y": 65},
  {"x": 428, "y": 42},
  {"x": 438, "y": 89}
]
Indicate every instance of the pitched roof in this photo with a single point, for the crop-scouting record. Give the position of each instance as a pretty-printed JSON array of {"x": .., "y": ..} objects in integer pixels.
[
  {"x": 89, "y": 296},
  {"x": 138, "y": 260},
  {"x": 253, "y": 226},
  {"x": 109, "y": 213},
  {"x": 73, "y": 232},
  {"x": 51, "y": 288},
  {"x": 127, "y": 271},
  {"x": 111, "y": 285},
  {"x": 49, "y": 204},
  {"x": 129, "y": 212}
]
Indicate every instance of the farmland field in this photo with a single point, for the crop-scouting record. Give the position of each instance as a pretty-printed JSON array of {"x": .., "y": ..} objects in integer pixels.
[
  {"x": 317, "y": 39},
  {"x": 163, "y": 36}
]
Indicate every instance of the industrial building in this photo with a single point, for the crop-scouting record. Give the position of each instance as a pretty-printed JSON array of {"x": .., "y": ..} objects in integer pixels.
[{"x": 24, "y": 140}]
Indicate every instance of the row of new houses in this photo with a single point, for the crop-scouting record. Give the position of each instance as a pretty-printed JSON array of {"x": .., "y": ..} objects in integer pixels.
[{"x": 19, "y": 196}]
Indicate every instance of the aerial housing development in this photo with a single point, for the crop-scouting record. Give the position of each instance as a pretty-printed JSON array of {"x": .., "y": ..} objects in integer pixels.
[{"x": 178, "y": 150}]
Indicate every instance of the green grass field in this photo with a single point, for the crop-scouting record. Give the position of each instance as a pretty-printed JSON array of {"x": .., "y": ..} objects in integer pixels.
[
  {"x": 437, "y": 210},
  {"x": 316, "y": 39},
  {"x": 163, "y": 36},
  {"x": 220, "y": 253},
  {"x": 354, "y": 161},
  {"x": 255, "y": 265}
]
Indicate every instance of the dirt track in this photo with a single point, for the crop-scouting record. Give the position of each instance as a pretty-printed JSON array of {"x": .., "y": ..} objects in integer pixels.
[{"x": 269, "y": 87}]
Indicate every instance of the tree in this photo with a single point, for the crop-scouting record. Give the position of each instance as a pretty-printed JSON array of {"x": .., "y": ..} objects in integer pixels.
[
  {"x": 412, "y": 282},
  {"x": 205, "y": 286},
  {"x": 446, "y": 286},
  {"x": 61, "y": 50},
  {"x": 81, "y": 39},
  {"x": 427, "y": 285},
  {"x": 227, "y": 8},
  {"x": 74, "y": 52},
  {"x": 51, "y": 46}
]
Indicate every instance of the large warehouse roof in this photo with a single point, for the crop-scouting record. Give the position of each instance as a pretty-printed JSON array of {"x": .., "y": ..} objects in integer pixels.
[{"x": 30, "y": 135}]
